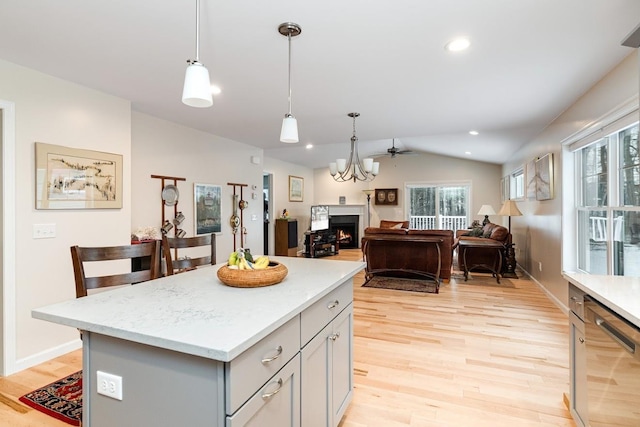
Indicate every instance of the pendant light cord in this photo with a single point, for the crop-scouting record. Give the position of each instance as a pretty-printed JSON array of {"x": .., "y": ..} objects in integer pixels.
[
  {"x": 289, "y": 37},
  {"x": 197, "y": 30}
]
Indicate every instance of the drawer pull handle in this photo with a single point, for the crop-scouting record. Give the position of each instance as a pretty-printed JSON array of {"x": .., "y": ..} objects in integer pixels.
[
  {"x": 333, "y": 304},
  {"x": 272, "y": 358},
  {"x": 270, "y": 394},
  {"x": 334, "y": 336}
]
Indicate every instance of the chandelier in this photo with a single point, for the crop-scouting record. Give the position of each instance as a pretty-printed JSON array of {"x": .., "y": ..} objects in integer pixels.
[{"x": 354, "y": 169}]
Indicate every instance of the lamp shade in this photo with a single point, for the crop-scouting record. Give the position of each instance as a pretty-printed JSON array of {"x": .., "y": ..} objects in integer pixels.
[
  {"x": 510, "y": 209},
  {"x": 486, "y": 210},
  {"x": 197, "y": 86},
  {"x": 289, "y": 131}
]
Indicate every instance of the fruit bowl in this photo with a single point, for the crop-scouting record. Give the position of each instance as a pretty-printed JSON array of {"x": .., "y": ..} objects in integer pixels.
[{"x": 271, "y": 275}]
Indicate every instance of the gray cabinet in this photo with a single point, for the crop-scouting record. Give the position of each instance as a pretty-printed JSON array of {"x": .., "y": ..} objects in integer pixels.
[
  {"x": 578, "y": 358},
  {"x": 327, "y": 372},
  {"x": 277, "y": 404}
]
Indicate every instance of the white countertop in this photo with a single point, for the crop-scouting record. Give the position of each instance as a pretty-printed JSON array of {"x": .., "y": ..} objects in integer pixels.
[
  {"x": 195, "y": 313},
  {"x": 619, "y": 293}
]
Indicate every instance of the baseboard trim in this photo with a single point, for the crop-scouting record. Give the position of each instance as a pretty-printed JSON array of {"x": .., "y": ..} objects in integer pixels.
[
  {"x": 552, "y": 297},
  {"x": 44, "y": 356}
]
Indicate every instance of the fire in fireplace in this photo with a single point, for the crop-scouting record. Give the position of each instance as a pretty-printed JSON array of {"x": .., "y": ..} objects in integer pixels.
[{"x": 345, "y": 228}]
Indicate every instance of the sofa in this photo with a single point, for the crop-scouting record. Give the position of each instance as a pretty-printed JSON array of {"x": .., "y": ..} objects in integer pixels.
[
  {"x": 479, "y": 256},
  {"x": 401, "y": 252}
]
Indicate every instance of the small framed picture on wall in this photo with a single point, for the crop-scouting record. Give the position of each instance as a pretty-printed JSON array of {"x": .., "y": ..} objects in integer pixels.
[{"x": 386, "y": 196}]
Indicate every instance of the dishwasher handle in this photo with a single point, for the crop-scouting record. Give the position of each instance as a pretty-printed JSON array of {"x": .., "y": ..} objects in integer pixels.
[{"x": 626, "y": 342}]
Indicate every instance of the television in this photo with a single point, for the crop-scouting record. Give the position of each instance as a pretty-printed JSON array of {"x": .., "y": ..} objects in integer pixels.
[{"x": 319, "y": 217}]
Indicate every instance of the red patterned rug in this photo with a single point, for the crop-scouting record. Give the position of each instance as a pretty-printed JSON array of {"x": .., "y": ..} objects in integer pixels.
[{"x": 61, "y": 399}]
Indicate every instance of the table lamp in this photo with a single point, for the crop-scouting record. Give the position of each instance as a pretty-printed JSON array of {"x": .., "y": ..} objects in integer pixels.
[{"x": 486, "y": 210}]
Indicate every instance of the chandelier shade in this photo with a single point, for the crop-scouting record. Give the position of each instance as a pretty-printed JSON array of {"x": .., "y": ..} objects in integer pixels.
[
  {"x": 197, "y": 86},
  {"x": 354, "y": 169},
  {"x": 289, "y": 130}
]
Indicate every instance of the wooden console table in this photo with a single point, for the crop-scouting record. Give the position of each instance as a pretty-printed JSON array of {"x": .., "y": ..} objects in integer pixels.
[
  {"x": 486, "y": 244},
  {"x": 402, "y": 266}
]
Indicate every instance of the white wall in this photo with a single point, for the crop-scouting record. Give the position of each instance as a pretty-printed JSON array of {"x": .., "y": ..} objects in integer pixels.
[
  {"x": 401, "y": 170},
  {"x": 54, "y": 111},
  {"x": 280, "y": 195},
  {"x": 164, "y": 148},
  {"x": 538, "y": 233}
]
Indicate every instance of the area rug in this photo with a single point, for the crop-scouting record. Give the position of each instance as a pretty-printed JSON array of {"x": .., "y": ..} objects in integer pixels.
[
  {"x": 61, "y": 399},
  {"x": 413, "y": 285}
]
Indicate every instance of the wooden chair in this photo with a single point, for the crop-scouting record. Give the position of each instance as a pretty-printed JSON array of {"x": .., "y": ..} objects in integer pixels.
[
  {"x": 184, "y": 264},
  {"x": 80, "y": 256}
]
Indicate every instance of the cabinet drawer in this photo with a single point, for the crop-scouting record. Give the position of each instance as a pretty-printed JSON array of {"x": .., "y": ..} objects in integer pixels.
[
  {"x": 322, "y": 312},
  {"x": 252, "y": 369},
  {"x": 276, "y": 404}
]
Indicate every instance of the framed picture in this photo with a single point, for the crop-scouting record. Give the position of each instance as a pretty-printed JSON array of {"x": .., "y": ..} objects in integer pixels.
[
  {"x": 544, "y": 177},
  {"x": 386, "y": 196},
  {"x": 72, "y": 178},
  {"x": 207, "y": 202},
  {"x": 531, "y": 179},
  {"x": 504, "y": 189},
  {"x": 296, "y": 188}
]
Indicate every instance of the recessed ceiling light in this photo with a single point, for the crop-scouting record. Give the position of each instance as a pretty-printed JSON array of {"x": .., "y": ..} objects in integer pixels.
[
  {"x": 468, "y": 153},
  {"x": 309, "y": 146},
  {"x": 473, "y": 132},
  {"x": 456, "y": 45},
  {"x": 216, "y": 90}
]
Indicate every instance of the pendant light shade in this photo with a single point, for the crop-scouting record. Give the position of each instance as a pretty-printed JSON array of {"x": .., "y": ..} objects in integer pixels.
[
  {"x": 289, "y": 131},
  {"x": 197, "y": 86}
]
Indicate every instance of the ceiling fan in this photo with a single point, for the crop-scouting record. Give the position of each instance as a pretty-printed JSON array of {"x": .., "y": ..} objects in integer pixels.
[{"x": 393, "y": 150}]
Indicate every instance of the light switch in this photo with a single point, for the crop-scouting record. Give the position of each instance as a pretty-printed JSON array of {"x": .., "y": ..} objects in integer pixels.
[{"x": 44, "y": 231}]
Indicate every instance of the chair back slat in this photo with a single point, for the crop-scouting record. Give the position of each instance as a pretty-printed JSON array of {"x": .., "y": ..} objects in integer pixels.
[
  {"x": 177, "y": 265},
  {"x": 82, "y": 255}
]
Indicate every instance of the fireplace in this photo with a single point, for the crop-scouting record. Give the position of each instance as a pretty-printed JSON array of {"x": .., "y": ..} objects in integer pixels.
[{"x": 345, "y": 228}]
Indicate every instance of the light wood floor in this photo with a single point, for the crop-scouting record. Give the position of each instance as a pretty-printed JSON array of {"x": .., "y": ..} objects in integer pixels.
[{"x": 477, "y": 354}]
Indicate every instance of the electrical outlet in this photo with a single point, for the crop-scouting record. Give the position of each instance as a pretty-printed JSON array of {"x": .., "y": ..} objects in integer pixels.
[
  {"x": 109, "y": 385},
  {"x": 540, "y": 265},
  {"x": 44, "y": 231}
]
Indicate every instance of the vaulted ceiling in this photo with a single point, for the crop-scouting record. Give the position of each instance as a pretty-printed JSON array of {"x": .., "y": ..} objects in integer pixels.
[{"x": 528, "y": 61}]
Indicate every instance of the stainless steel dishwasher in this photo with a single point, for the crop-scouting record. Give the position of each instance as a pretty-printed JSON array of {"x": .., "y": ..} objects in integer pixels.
[{"x": 613, "y": 367}]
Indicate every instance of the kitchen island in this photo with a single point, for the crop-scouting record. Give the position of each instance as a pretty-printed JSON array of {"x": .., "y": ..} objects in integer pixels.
[{"x": 190, "y": 350}]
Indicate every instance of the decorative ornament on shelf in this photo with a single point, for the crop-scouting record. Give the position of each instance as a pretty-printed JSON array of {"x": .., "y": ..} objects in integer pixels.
[
  {"x": 354, "y": 169},
  {"x": 285, "y": 214}
]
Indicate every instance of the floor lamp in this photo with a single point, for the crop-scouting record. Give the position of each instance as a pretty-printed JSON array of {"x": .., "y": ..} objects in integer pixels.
[
  {"x": 510, "y": 209},
  {"x": 368, "y": 193}
]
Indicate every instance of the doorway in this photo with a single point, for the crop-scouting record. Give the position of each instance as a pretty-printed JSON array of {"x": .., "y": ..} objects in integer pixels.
[
  {"x": 267, "y": 213},
  {"x": 7, "y": 238}
]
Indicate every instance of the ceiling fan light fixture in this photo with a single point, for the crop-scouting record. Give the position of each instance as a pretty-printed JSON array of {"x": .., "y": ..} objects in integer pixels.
[{"x": 196, "y": 91}]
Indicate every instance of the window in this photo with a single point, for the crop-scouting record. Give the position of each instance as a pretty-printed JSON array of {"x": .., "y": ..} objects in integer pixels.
[
  {"x": 438, "y": 206},
  {"x": 608, "y": 213},
  {"x": 516, "y": 185}
]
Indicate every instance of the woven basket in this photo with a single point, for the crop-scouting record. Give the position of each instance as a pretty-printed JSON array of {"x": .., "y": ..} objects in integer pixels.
[{"x": 271, "y": 275}]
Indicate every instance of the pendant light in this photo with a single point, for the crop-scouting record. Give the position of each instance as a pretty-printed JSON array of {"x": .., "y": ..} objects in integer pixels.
[
  {"x": 289, "y": 131},
  {"x": 354, "y": 169},
  {"x": 197, "y": 86}
]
